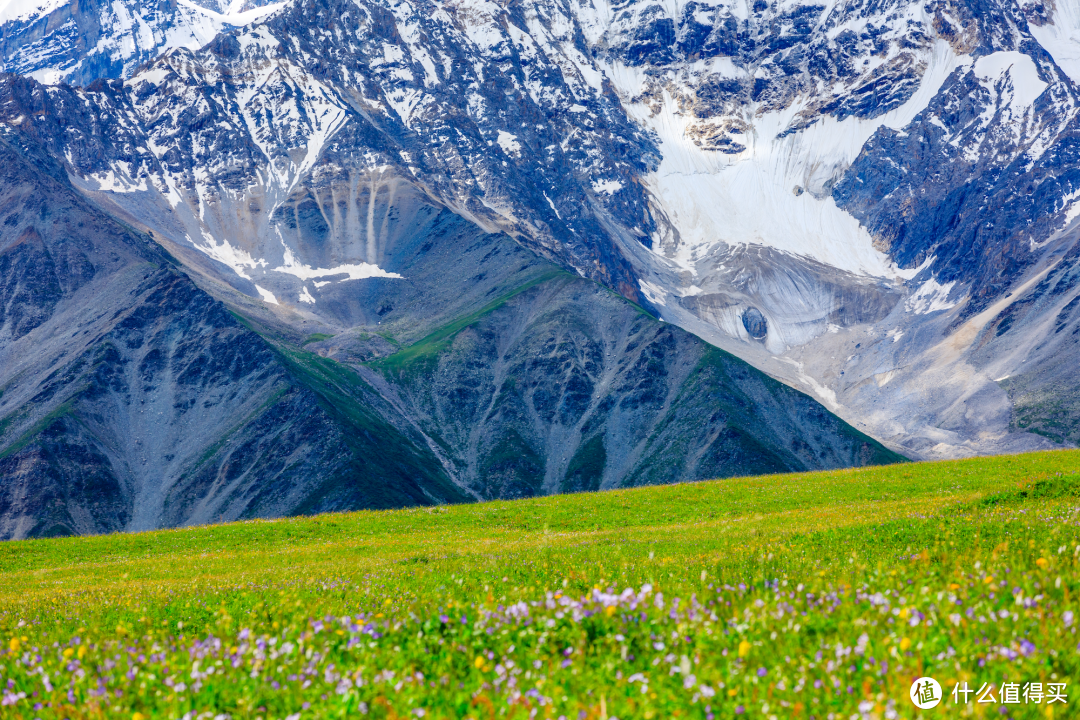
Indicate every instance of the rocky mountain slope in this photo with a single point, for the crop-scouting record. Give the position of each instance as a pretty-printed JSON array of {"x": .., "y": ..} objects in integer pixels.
[
  {"x": 78, "y": 42},
  {"x": 869, "y": 185},
  {"x": 132, "y": 398},
  {"x": 839, "y": 194}
]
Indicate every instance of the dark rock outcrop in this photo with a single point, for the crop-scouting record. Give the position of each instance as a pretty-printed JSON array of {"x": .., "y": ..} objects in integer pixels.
[{"x": 755, "y": 323}]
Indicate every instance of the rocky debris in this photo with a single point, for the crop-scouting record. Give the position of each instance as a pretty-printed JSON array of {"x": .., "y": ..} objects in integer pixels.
[
  {"x": 131, "y": 399},
  {"x": 565, "y": 387}
]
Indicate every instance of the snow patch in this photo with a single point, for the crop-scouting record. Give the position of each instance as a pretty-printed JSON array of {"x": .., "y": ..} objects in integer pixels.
[
  {"x": 49, "y": 76},
  {"x": 509, "y": 143},
  {"x": 607, "y": 187},
  {"x": 235, "y": 18},
  {"x": 267, "y": 296},
  {"x": 1061, "y": 38},
  {"x": 354, "y": 271},
  {"x": 26, "y": 10},
  {"x": 930, "y": 297},
  {"x": 553, "y": 208},
  {"x": 654, "y": 293},
  {"x": 109, "y": 181},
  {"x": 1023, "y": 77},
  {"x": 1073, "y": 211},
  {"x": 825, "y": 395},
  {"x": 235, "y": 258},
  {"x": 306, "y": 297},
  {"x": 747, "y": 198}
]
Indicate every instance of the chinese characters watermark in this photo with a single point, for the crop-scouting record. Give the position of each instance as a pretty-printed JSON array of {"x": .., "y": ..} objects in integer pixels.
[
  {"x": 926, "y": 693},
  {"x": 1011, "y": 693}
]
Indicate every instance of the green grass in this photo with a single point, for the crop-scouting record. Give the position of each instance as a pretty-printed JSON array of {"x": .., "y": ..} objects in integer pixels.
[
  {"x": 794, "y": 596},
  {"x": 411, "y": 473},
  {"x": 38, "y": 427},
  {"x": 421, "y": 355},
  {"x": 315, "y": 337}
]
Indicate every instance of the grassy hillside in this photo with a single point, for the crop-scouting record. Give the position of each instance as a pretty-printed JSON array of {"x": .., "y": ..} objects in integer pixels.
[{"x": 814, "y": 595}]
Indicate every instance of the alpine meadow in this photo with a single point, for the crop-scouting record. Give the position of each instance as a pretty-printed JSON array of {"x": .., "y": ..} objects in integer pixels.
[{"x": 815, "y": 595}]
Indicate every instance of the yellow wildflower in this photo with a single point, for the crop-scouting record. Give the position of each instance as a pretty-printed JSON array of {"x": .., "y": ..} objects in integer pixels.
[
  {"x": 744, "y": 648},
  {"x": 479, "y": 662},
  {"x": 14, "y": 644},
  {"x": 68, "y": 652},
  {"x": 610, "y": 610},
  {"x": 1042, "y": 562},
  {"x": 904, "y": 644},
  {"x": 82, "y": 652}
]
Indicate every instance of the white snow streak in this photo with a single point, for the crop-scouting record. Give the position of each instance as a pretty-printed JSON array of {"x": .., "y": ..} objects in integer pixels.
[
  {"x": 355, "y": 271},
  {"x": 267, "y": 296}
]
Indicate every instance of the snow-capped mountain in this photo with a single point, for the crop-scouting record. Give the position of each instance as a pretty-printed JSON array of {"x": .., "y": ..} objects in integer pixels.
[
  {"x": 874, "y": 201},
  {"x": 79, "y": 41}
]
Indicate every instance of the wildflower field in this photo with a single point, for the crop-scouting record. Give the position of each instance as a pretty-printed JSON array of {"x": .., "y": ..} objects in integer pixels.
[{"x": 820, "y": 595}]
